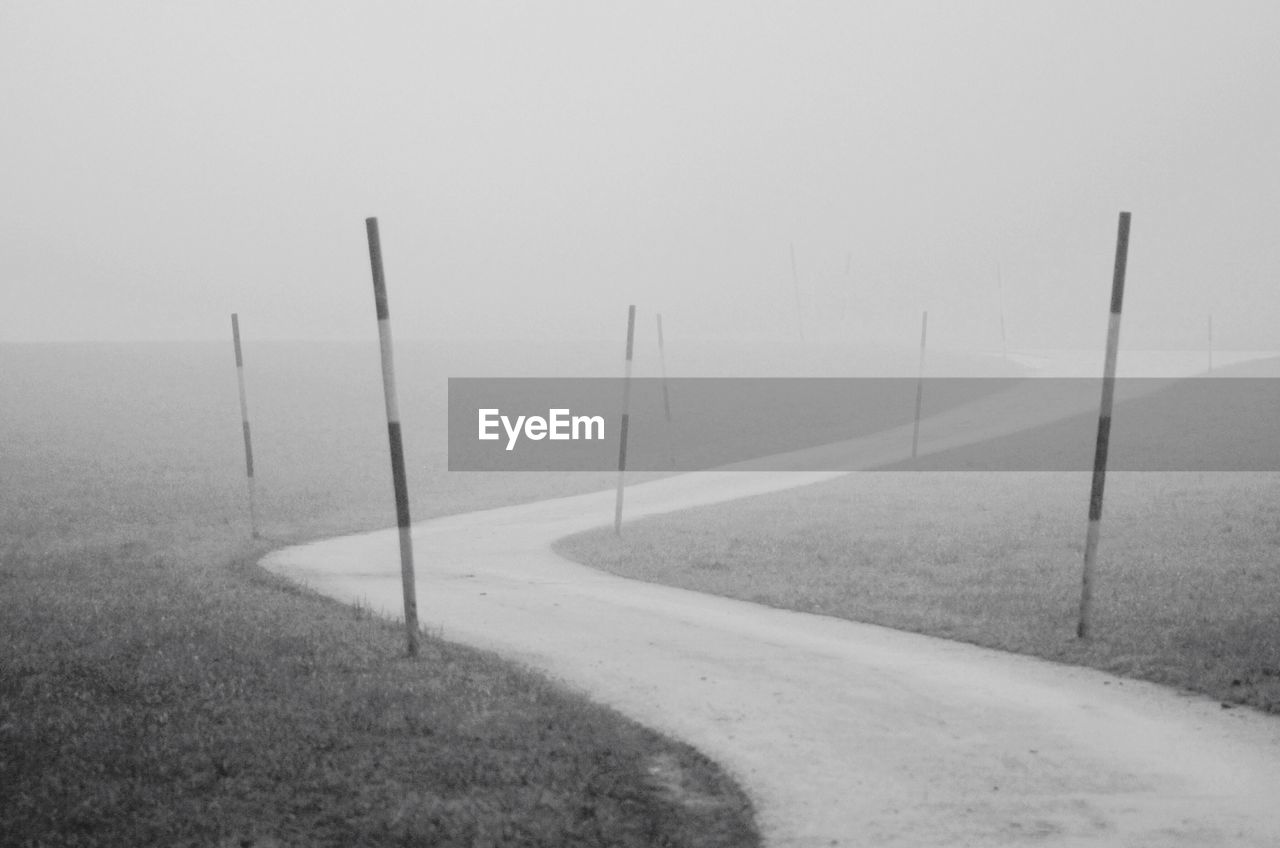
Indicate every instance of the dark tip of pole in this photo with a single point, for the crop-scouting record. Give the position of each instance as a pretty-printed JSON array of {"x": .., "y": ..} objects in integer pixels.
[
  {"x": 1122, "y": 260},
  {"x": 235, "y": 338},
  {"x": 375, "y": 263},
  {"x": 631, "y": 330}
]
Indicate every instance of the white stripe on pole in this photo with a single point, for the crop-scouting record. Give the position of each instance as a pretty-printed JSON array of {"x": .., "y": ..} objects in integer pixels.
[
  {"x": 666, "y": 397},
  {"x": 915, "y": 432},
  {"x": 626, "y": 416},
  {"x": 244, "y": 422},
  {"x": 394, "y": 438},
  {"x": 1104, "y": 427}
]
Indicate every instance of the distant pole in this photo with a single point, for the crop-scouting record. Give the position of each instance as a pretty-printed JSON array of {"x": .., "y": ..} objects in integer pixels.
[
  {"x": 1211, "y": 342},
  {"x": 1104, "y": 426},
  {"x": 1004, "y": 343},
  {"x": 915, "y": 434},
  {"x": 666, "y": 398},
  {"x": 795, "y": 284},
  {"x": 626, "y": 416},
  {"x": 394, "y": 437},
  {"x": 244, "y": 420},
  {"x": 848, "y": 286}
]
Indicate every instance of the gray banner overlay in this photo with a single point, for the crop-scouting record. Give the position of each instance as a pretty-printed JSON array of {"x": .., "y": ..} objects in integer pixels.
[{"x": 839, "y": 424}]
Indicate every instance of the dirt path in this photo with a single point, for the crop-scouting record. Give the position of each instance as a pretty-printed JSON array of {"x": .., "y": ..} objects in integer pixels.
[{"x": 843, "y": 733}]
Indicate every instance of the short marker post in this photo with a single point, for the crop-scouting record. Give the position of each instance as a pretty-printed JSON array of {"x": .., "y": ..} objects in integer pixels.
[
  {"x": 626, "y": 419},
  {"x": 666, "y": 397},
  {"x": 244, "y": 421},
  {"x": 394, "y": 437},
  {"x": 1104, "y": 427},
  {"x": 915, "y": 432}
]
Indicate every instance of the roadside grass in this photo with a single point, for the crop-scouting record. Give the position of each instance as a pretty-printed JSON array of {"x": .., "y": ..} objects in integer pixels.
[
  {"x": 158, "y": 688},
  {"x": 146, "y": 702},
  {"x": 1186, "y": 594}
]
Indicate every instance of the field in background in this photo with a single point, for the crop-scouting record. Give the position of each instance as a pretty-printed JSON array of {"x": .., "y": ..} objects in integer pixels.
[
  {"x": 130, "y": 432},
  {"x": 1187, "y": 586},
  {"x": 135, "y": 430}
]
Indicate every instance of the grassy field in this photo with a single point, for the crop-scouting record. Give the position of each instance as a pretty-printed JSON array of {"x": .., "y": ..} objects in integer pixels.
[
  {"x": 1187, "y": 584},
  {"x": 156, "y": 687}
]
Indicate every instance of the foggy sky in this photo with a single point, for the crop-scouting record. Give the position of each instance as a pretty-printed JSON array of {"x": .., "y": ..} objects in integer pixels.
[{"x": 535, "y": 167}]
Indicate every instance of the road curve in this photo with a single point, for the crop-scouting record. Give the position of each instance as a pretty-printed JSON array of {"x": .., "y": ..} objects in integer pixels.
[{"x": 842, "y": 733}]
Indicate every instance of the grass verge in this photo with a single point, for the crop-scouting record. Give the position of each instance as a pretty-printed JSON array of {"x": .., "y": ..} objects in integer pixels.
[
  {"x": 147, "y": 700},
  {"x": 1186, "y": 588}
]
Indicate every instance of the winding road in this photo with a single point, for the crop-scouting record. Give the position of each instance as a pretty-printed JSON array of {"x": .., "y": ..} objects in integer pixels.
[{"x": 842, "y": 733}]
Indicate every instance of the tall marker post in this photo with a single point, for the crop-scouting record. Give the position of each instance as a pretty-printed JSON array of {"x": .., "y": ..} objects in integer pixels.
[
  {"x": 1104, "y": 426},
  {"x": 394, "y": 437},
  {"x": 915, "y": 432},
  {"x": 244, "y": 421},
  {"x": 666, "y": 397},
  {"x": 626, "y": 419}
]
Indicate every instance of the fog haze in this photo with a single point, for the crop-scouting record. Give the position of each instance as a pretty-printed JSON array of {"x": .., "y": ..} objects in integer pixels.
[{"x": 537, "y": 167}]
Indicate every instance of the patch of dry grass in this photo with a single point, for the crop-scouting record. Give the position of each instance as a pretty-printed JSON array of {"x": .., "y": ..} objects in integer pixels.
[{"x": 146, "y": 704}]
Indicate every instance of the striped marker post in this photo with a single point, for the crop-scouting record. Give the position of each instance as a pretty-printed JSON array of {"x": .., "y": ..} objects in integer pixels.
[
  {"x": 394, "y": 437},
  {"x": 626, "y": 419},
  {"x": 244, "y": 421},
  {"x": 915, "y": 432},
  {"x": 1104, "y": 426},
  {"x": 666, "y": 397}
]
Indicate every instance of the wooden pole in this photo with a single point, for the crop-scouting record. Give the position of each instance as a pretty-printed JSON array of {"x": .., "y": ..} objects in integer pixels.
[
  {"x": 394, "y": 438},
  {"x": 244, "y": 421},
  {"x": 1104, "y": 427},
  {"x": 666, "y": 397},
  {"x": 915, "y": 433},
  {"x": 626, "y": 416}
]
